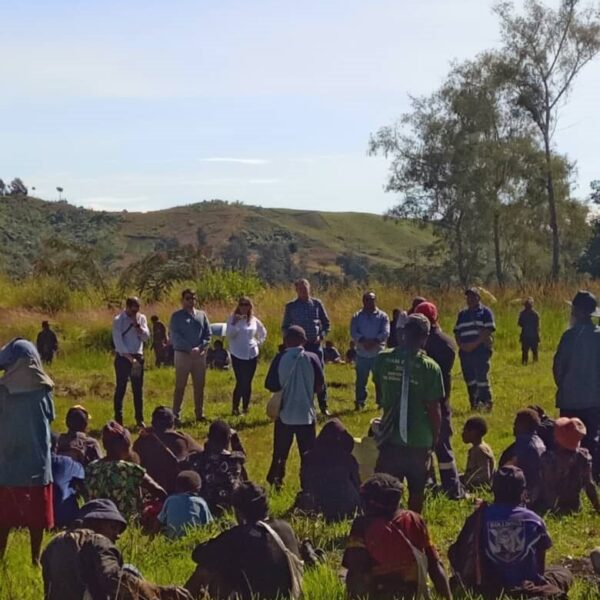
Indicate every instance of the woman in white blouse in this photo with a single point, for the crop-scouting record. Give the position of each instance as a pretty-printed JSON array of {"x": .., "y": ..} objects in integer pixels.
[{"x": 245, "y": 334}]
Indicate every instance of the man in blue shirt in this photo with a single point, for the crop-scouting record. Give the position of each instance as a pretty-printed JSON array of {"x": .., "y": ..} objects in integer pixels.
[
  {"x": 309, "y": 314},
  {"x": 298, "y": 375},
  {"x": 473, "y": 331},
  {"x": 370, "y": 329},
  {"x": 190, "y": 336}
]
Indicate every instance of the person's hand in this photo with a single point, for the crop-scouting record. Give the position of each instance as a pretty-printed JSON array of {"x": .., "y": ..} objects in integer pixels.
[
  {"x": 129, "y": 357},
  {"x": 195, "y": 350}
]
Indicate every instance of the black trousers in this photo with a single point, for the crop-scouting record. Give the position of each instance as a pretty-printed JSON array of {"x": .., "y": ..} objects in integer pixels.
[
  {"x": 283, "y": 437},
  {"x": 316, "y": 348},
  {"x": 244, "y": 371},
  {"x": 526, "y": 346},
  {"x": 123, "y": 375}
]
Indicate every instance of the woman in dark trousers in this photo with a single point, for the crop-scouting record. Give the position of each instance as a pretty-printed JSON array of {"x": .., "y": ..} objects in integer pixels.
[{"x": 245, "y": 334}]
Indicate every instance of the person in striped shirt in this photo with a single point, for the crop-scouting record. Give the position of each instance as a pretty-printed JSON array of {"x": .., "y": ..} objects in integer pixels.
[{"x": 473, "y": 332}]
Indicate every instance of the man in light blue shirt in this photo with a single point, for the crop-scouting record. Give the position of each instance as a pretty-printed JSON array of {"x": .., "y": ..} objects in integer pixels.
[
  {"x": 190, "y": 336},
  {"x": 130, "y": 332},
  {"x": 370, "y": 329}
]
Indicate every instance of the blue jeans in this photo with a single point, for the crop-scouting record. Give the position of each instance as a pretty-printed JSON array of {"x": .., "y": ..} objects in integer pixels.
[{"x": 364, "y": 367}]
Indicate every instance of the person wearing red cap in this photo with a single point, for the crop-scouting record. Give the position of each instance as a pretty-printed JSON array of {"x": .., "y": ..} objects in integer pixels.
[
  {"x": 441, "y": 348},
  {"x": 567, "y": 470}
]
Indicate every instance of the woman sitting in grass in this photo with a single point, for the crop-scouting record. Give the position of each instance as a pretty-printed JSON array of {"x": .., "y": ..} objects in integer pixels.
[{"x": 117, "y": 476}]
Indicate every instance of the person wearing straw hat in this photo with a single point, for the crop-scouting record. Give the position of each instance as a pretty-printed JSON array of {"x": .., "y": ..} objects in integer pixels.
[{"x": 576, "y": 371}]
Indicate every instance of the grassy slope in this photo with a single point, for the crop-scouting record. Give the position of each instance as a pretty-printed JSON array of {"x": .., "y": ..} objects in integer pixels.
[
  {"x": 121, "y": 237},
  {"x": 87, "y": 378}
]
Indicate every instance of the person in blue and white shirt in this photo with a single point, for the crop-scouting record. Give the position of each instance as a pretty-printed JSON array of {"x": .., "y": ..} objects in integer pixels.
[{"x": 473, "y": 331}]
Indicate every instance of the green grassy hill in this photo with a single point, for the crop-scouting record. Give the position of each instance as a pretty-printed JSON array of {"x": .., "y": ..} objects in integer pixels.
[{"x": 27, "y": 223}]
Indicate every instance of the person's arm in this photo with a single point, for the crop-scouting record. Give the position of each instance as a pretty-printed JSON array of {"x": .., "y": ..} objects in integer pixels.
[
  {"x": 101, "y": 566},
  {"x": 358, "y": 562},
  {"x": 355, "y": 329},
  {"x": 272, "y": 382},
  {"x": 384, "y": 329},
  {"x": 287, "y": 318},
  {"x": 232, "y": 328},
  {"x": 154, "y": 489},
  {"x": 319, "y": 375},
  {"x": 434, "y": 413},
  {"x": 325, "y": 322},
  {"x": 590, "y": 488},
  {"x": 143, "y": 330},
  {"x": 205, "y": 339},
  {"x": 435, "y": 389},
  {"x": 560, "y": 363},
  {"x": 438, "y": 573},
  {"x": 54, "y": 342},
  {"x": 118, "y": 339},
  {"x": 261, "y": 332}
]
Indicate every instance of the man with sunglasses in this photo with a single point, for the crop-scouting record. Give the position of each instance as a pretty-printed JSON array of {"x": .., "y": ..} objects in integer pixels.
[{"x": 190, "y": 336}]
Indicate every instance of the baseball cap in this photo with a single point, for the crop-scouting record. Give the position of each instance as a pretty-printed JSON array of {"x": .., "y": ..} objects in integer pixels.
[
  {"x": 586, "y": 301},
  {"x": 101, "y": 509},
  {"x": 568, "y": 433},
  {"x": 429, "y": 310}
]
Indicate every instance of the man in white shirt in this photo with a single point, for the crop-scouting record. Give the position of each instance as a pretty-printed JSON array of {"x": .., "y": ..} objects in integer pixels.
[{"x": 130, "y": 331}]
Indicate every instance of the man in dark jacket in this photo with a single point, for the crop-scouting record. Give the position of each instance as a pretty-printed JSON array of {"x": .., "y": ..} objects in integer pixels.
[
  {"x": 86, "y": 559},
  {"x": 442, "y": 349},
  {"x": 47, "y": 343},
  {"x": 577, "y": 372},
  {"x": 529, "y": 322}
]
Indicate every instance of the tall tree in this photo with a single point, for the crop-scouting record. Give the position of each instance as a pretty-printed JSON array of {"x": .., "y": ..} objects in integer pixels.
[{"x": 545, "y": 49}]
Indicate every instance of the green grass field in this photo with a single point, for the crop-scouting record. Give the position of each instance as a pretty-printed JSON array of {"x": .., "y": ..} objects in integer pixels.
[{"x": 85, "y": 377}]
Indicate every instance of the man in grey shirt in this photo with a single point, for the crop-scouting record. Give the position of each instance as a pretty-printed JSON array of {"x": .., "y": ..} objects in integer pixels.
[
  {"x": 129, "y": 332},
  {"x": 190, "y": 336}
]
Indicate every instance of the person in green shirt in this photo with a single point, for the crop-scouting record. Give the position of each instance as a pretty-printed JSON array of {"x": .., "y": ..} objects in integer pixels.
[{"x": 408, "y": 387}]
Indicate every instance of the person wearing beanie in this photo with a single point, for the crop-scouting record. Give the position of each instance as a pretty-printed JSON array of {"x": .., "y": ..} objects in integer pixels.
[
  {"x": 529, "y": 322},
  {"x": 250, "y": 560},
  {"x": 381, "y": 548},
  {"x": 577, "y": 372},
  {"x": 369, "y": 329},
  {"x": 409, "y": 388},
  {"x": 161, "y": 448},
  {"x": 221, "y": 466},
  {"x": 473, "y": 332},
  {"x": 84, "y": 562},
  {"x": 442, "y": 349},
  {"x": 117, "y": 476},
  {"x": 511, "y": 557},
  {"x": 567, "y": 470},
  {"x": 76, "y": 443},
  {"x": 185, "y": 509}
]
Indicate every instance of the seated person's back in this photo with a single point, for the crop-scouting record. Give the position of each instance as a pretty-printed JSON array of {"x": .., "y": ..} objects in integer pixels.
[
  {"x": 220, "y": 468},
  {"x": 76, "y": 443},
  {"x": 246, "y": 561},
  {"x": 480, "y": 459},
  {"x": 217, "y": 357},
  {"x": 331, "y": 354},
  {"x": 329, "y": 473}
]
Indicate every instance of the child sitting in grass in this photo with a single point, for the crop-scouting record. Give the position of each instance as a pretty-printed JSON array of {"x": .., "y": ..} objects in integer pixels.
[
  {"x": 480, "y": 459},
  {"x": 185, "y": 508},
  {"x": 567, "y": 470}
]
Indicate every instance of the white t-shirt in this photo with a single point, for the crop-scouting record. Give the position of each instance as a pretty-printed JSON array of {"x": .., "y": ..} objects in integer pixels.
[{"x": 245, "y": 337}]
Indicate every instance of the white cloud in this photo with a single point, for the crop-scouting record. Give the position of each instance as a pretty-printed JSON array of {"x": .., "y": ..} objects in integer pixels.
[{"x": 239, "y": 161}]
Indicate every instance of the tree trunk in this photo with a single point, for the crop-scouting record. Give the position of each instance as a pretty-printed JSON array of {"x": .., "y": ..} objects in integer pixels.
[
  {"x": 497, "y": 256},
  {"x": 460, "y": 257},
  {"x": 552, "y": 209}
]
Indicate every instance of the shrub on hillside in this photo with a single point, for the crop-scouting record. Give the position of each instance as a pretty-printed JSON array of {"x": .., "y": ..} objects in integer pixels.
[{"x": 220, "y": 285}]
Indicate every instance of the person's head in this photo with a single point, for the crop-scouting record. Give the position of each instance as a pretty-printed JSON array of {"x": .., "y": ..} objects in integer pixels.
[
  {"x": 508, "y": 486},
  {"x": 302, "y": 288},
  {"x": 568, "y": 433},
  {"x": 429, "y": 310},
  {"x": 328, "y": 344},
  {"x": 334, "y": 439},
  {"x": 188, "y": 299},
  {"x": 473, "y": 297},
  {"x": 352, "y": 344},
  {"x": 244, "y": 307},
  {"x": 103, "y": 517},
  {"x": 416, "y": 331},
  {"x": 396, "y": 314},
  {"x": 250, "y": 503},
  {"x": 381, "y": 495},
  {"x": 219, "y": 435},
  {"x": 132, "y": 306},
  {"x": 374, "y": 427},
  {"x": 45, "y": 325},
  {"x": 369, "y": 301},
  {"x": 154, "y": 318},
  {"x": 116, "y": 441},
  {"x": 188, "y": 482},
  {"x": 528, "y": 303},
  {"x": 583, "y": 306},
  {"x": 526, "y": 422},
  {"x": 415, "y": 302},
  {"x": 53, "y": 442},
  {"x": 294, "y": 337},
  {"x": 474, "y": 430},
  {"x": 163, "y": 419},
  {"x": 218, "y": 345},
  {"x": 77, "y": 419}
]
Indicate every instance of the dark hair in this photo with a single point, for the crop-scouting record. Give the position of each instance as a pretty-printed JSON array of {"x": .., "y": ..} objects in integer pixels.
[
  {"x": 154, "y": 318},
  {"x": 77, "y": 419},
  {"x": 295, "y": 333},
  {"x": 186, "y": 292},
  {"x": 251, "y": 501},
  {"x": 132, "y": 301},
  {"x": 163, "y": 418},
  {"x": 529, "y": 418},
  {"x": 381, "y": 494},
  {"x": 219, "y": 434},
  {"x": 477, "y": 424},
  {"x": 53, "y": 442},
  {"x": 45, "y": 324},
  {"x": 188, "y": 481},
  {"x": 219, "y": 343},
  {"x": 509, "y": 485}
]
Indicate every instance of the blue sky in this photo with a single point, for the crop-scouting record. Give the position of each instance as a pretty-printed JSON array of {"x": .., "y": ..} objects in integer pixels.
[{"x": 144, "y": 105}]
